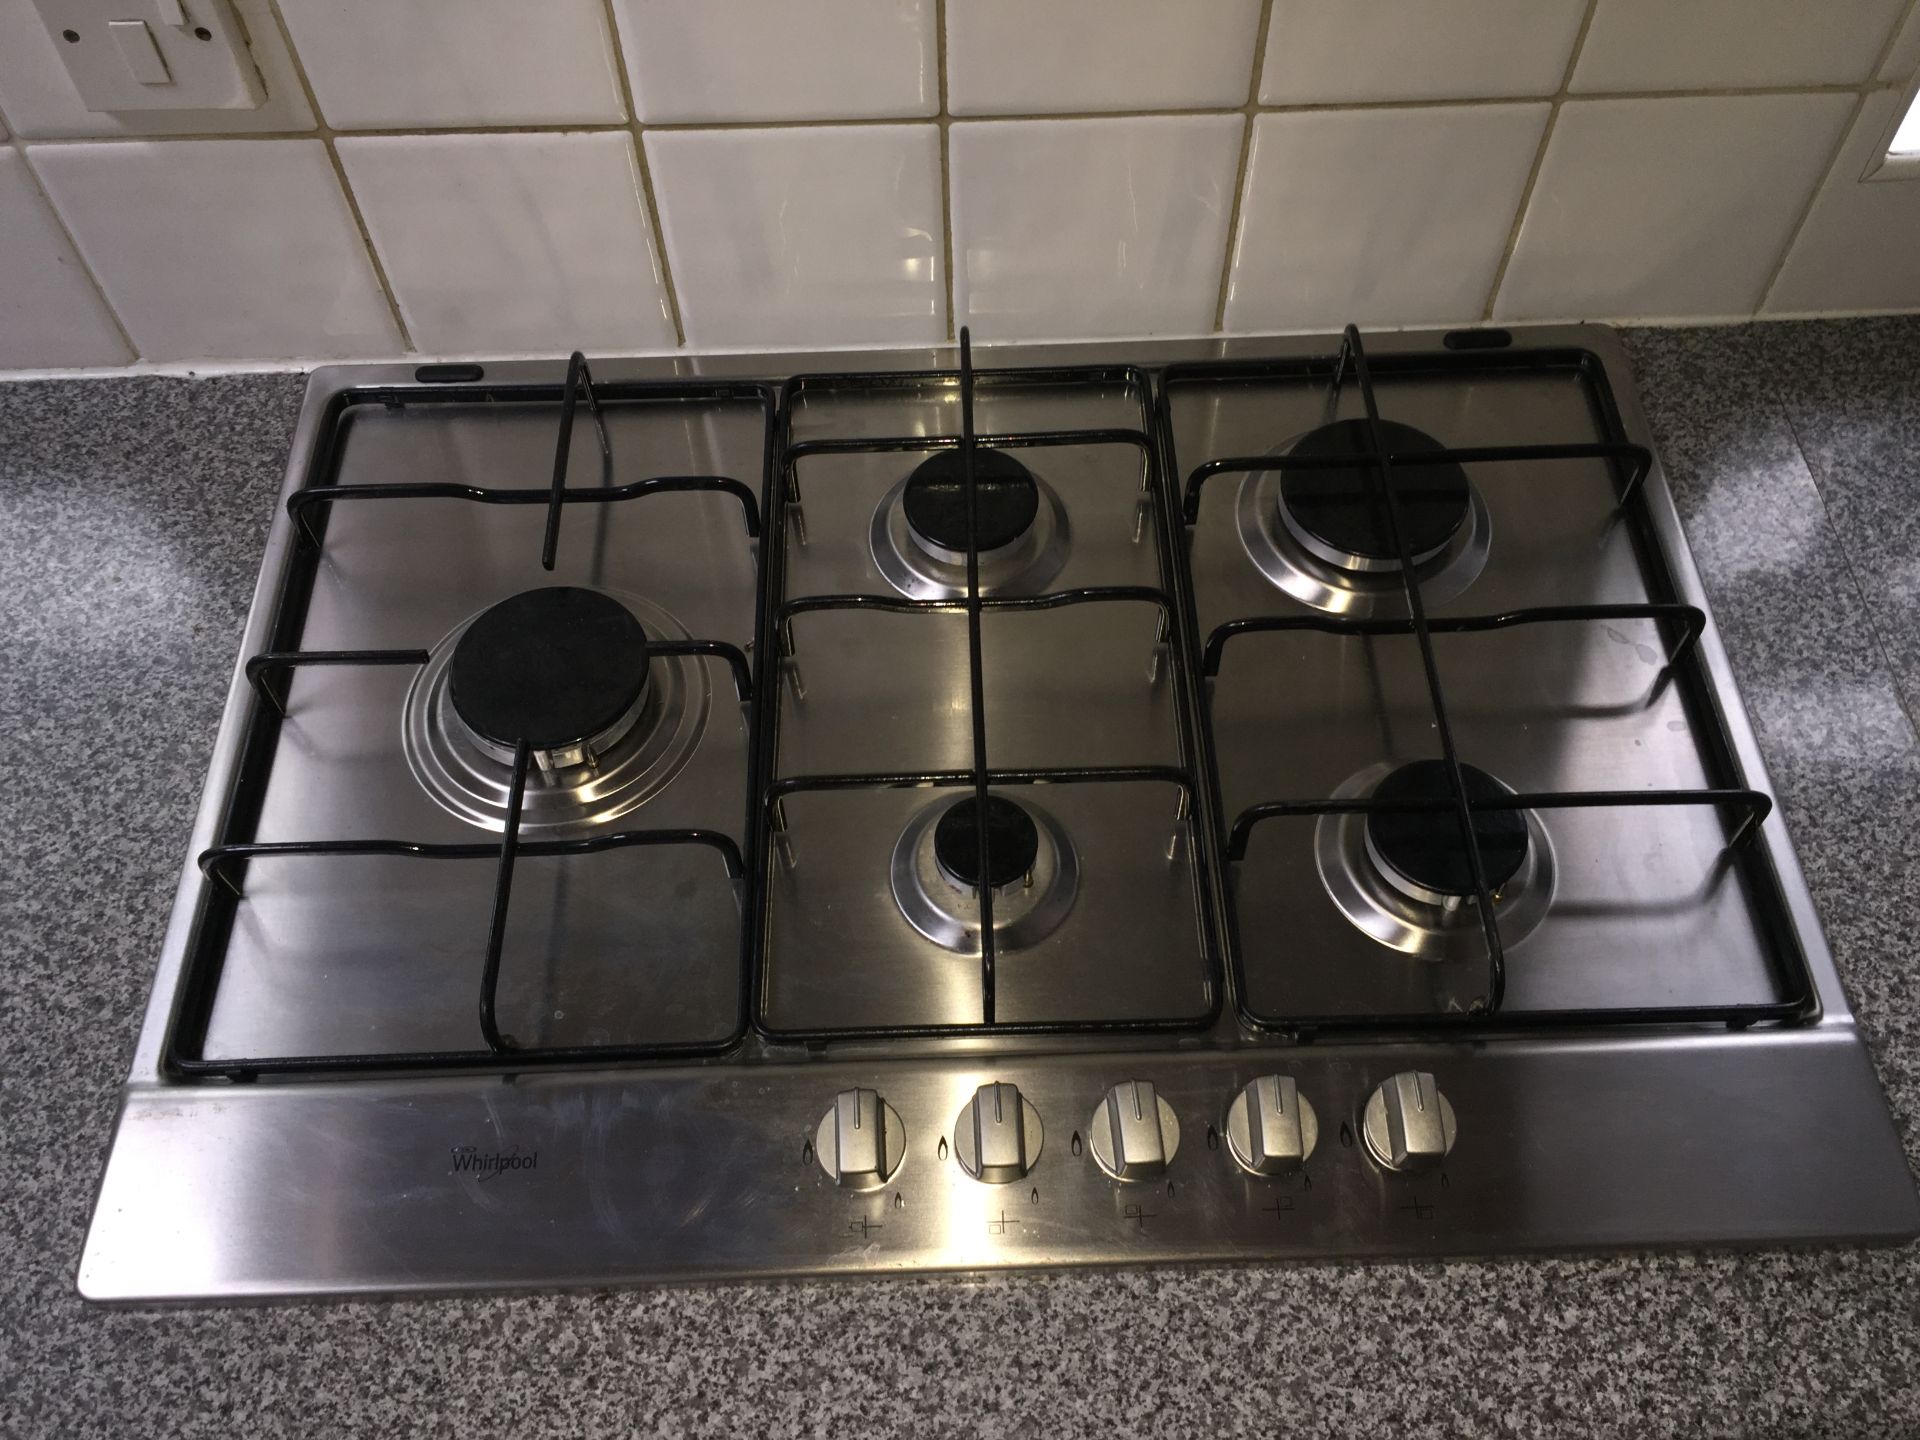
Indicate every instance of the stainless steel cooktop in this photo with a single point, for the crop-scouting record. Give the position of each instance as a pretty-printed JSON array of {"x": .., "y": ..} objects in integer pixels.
[{"x": 842, "y": 814}]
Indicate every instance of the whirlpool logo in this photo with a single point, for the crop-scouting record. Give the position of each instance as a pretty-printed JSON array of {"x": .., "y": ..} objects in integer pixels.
[{"x": 485, "y": 1165}]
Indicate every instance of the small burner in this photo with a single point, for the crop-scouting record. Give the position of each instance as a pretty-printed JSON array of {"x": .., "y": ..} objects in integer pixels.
[
  {"x": 558, "y": 667},
  {"x": 1013, "y": 842},
  {"x": 936, "y": 501},
  {"x": 1031, "y": 864},
  {"x": 1424, "y": 849},
  {"x": 1337, "y": 514}
]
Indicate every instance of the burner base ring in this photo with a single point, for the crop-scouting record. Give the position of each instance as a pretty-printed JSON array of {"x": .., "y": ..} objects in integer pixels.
[
  {"x": 1025, "y": 911},
  {"x": 1423, "y": 931},
  {"x": 468, "y": 778}
]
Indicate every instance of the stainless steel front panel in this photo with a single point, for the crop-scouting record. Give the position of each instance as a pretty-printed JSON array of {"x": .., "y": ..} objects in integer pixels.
[
  {"x": 600, "y": 1180},
  {"x": 1682, "y": 1135}
]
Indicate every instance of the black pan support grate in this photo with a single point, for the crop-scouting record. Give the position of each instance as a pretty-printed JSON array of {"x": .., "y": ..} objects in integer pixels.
[
  {"x": 1213, "y": 838},
  {"x": 1748, "y": 808},
  {"x": 268, "y": 674},
  {"x": 786, "y": 511}
]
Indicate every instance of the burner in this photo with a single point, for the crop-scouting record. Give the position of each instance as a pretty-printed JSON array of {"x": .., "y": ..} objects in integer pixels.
[
  {"x": 1006, "y": 502},
  {"x": 1337, "y": 516},
  {"x": 1031, "y": 865},
  {"x": 551, "y": 666},
  {"x": 561, "y": 668},
  {"x": 1013, "y": 842},
  {"x": 918, "y": 535},
  {"x": 1424, "y": 849}
]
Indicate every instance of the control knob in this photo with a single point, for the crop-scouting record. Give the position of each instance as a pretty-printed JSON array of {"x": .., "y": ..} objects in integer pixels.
[
  {"x": 1408, "y": 1124},
  {"x": 1133, "y": 1133},
  {"x": 997, "y": 1137},
  {"x": 860, "y": 1141},
  {"x": 1271, "y": 1127}
]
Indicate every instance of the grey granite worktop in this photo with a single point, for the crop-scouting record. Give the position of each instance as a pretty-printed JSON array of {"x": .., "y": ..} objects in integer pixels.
[{"x": 132, "y": 515}]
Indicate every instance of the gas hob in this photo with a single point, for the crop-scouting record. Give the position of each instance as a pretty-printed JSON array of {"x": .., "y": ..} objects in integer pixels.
[{"x": 733, "y": 816}]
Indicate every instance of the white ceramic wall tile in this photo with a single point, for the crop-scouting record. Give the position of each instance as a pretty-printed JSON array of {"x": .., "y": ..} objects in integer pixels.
[
  {"x": 701, "y": 60},
  {"x": 1382, "y": 217},
  {"x": 1018, "y": 57},
  {"x": 1903, "y": 58},
  {"x": 1860, "y": 246},
  {"x": 400, "y": 63},
  {"x": 221, "y": 247},
  {"x": 1328, "y": 51},
  {"x": 1658, "y": 208},
  {"x": 1091, "y": 227},
  {"x": 49, "y": 311},
  {"x": 803, "y": 236},
  {"x": 512, "y": 242},
  {"x": 41, "y": 103},
  {"x": 1696, "y": 44}
]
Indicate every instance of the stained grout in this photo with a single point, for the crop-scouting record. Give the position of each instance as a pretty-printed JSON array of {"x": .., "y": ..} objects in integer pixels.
[
  {"x": 944, "y": 120},
  {"x": 656, "y": 227},
  {"x": 1833, "y": 158},
  {"x": 1249, "y": 110},
  {"x": 1539, "y": 160},
  {"x": 326, "y": 135},
  {"x": 86, "y": 269},
  {"x": 1176, "y": 112}
]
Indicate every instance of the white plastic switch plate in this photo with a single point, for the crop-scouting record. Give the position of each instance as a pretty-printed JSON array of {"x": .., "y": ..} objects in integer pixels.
[{"x": 154, "y": 54}]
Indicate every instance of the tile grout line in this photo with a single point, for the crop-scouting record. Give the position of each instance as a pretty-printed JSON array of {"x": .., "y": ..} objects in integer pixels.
[
  {"x": 1558, "y": 99},
  {"x": 633, "y": 128},
  {"x": 1249, "y": 111},
  {"x": 1009, "y": 117},
  {"x": 1805, "y": 212},
  {"x": 1867, "y": 89},
  {"x": 325, "y": 133},
  {"x": 18, "y": 145},
  {"x": 944, "y": 120}
]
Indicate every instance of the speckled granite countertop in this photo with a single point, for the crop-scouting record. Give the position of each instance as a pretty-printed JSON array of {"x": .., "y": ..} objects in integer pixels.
[{"x": 132, "y": 515}]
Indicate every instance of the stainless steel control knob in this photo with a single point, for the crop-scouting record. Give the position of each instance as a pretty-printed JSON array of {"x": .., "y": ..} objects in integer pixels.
[
  {"x": 1271, "y": 1127},
  {"x": 860, "y": 1141},
  {"x": 997, "y": 1137},
  {"x": 1408, "y": 1124},
  {"x": 1133, "y": 1133}
]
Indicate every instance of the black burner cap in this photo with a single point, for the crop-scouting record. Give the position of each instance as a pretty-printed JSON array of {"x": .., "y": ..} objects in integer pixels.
[
  {"x": 1013, "y": 841},
  {"x": 1341, "y": 508},
  {"x": 552, "y": 667},
  {"x": 936, "y": 500},
  {"x": 1426, "y": 847}
]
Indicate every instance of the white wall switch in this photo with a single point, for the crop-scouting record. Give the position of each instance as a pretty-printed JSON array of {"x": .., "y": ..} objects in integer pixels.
[{"x": 154, "y": 54}]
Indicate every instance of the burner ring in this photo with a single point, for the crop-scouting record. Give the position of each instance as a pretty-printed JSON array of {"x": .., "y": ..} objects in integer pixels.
[
  {"x": 1359, "y": 594},
  {"x": 922, "y": 570},
  {"x": 1013, "y": 843},
  {"x": 1390, "y": 909},
  {"x": 1334, "y": 514},
  {"x": 471, "y": 777},
  {"x": 562, "y": 668},
  {"x": 935, "y": 503},
  {"x": 1420, "y": 850},
  {"x": 1026, "y": 909}
]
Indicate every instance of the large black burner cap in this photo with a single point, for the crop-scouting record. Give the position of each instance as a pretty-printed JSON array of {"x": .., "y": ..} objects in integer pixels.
[
  {"x": 1426, "y": 847},
  {"x": 1340, "y": 507},
  {"x": 1013, "y": 842},
  {"x": 936, "y": 500},
  {"x": 552, "y": 667}
]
